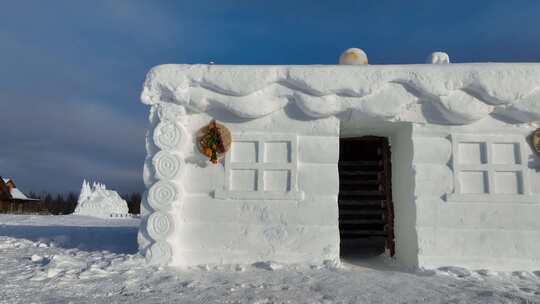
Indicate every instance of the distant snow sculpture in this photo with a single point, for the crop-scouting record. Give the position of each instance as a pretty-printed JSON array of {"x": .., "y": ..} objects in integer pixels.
[
  {"x": 353, "y": 56},
  {"x": 438, "y": 58},
  {"x": 97, "y": 201}
]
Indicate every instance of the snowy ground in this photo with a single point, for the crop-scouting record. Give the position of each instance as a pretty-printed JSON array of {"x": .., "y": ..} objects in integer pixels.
[{"x": 75, "y": 259}]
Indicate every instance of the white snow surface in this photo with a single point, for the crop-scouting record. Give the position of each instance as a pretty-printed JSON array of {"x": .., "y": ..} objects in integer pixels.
[
  {"x": 444, "y": 94},
  {"x": 35, "y": 268},
  {"x": 99, "y": 202}
]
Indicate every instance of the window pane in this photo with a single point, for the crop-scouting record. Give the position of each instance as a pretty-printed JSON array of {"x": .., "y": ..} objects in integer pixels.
[
  {"x": 277, "y": 180},
  {"x": 508, "y": 183},
  {"x": 474, "y": 182},
  {"x": 506, "y": 153},
  {"x": 244, "y": 152},
  {"x": 244, "y": 180},
  {"x": 277, "y": 152},
  {"x": 472, "y": 153}
]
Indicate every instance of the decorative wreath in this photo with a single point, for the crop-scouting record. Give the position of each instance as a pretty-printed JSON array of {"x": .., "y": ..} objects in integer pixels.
[
  {"x": 213, "y": 141},
  {"x": 535, "y": 141}
]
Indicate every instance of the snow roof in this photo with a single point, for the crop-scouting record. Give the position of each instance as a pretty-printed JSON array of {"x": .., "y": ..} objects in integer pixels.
[
  {"x": 445, "y": 94},
  {"x": 17, "y": 194}
]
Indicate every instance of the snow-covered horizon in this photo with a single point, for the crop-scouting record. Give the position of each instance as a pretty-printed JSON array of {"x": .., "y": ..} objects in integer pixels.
[{"x": 78, "y": 259}]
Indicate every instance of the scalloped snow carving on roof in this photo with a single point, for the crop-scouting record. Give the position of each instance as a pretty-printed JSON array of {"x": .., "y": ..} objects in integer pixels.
[{"x": 459, "y": 93}]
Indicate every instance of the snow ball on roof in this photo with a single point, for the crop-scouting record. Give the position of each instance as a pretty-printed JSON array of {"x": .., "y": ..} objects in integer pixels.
[
  {"x": 353, "y": 56},
  {"x": 438, "y": 58}
]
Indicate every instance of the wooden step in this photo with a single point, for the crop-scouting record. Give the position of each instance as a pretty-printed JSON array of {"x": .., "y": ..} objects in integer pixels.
[
  {"x": 358, "y": 221},
  {"x": 360, "y": 163},
  {"x": 366, "y": 187},
  {"x": 361, "y": 203},
  {"x": 360, "y": 192},
  {"x": 361, "y": 173},
  {"x": 359, "y": 182},
  {"x": 363, "y": 232},
  {"x": 361, "y": 211},
  {"x": 348, "y": 237}
]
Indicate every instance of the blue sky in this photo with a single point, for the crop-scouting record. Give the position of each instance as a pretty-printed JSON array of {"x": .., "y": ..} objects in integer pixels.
[{"x": 71, "y": 71}]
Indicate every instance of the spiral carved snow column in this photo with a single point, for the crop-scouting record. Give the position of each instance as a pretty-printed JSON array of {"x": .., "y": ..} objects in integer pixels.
[
  {"x": 167, "y": 135},
  {"x": 161, "y": 195},
  {"x": 167, "y": 164},
  {"x": 159, "y": 225}
]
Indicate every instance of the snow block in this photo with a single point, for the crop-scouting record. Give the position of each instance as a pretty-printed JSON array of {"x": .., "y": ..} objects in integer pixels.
[
  {"x": 433, "y": 179},
  {"x": 439, "y": 152},
  {"x": 426, "y": 210},
  {"x": 318, "y": 149},
  {"x": 313, "y": 210},
  {"x": 318, "y": 179}
]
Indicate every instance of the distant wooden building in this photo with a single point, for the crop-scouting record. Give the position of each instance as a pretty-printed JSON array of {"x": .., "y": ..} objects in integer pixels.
[{"x": 13, "y": 200}]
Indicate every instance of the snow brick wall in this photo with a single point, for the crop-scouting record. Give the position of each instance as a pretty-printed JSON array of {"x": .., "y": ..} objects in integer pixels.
[{"x": 465, "y": 183}]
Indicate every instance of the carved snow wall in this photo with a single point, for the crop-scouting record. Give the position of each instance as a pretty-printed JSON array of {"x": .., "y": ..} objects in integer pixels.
[
  {"x": 267, "y": 200},
  {"x": 464, "y": 185},
  {"x": 477, "y": 196}
]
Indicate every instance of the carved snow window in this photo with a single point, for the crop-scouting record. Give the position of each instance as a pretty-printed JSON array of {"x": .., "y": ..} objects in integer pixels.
[
  {"x": 490, "y": 169},
  {"x": 261, "y": 166}
]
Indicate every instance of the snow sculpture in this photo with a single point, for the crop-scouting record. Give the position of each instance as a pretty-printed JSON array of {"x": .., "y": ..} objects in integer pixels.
[
  {"x": 438, "y": 58},
  {"x": 458, "y": 143},
  {"x": 353, "y": 56},
  {"x": 86, "y": 191},
  {"x": 97, "y": 201}
]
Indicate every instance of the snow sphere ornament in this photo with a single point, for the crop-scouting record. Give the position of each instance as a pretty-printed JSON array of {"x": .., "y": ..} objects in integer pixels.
[
  {"x": 353, "y": 56},
  {"x": 438, "y": 58}
]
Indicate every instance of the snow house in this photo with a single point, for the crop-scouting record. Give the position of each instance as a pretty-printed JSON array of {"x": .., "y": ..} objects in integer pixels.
[{"x": 433, "y": 164}]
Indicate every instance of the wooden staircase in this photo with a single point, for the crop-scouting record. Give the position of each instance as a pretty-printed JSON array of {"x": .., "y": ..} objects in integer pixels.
[{"x": 365, "y": 194}]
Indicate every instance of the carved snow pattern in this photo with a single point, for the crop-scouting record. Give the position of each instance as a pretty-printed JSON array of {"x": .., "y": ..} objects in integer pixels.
[
  {"x": 168, "y": 135},
  {"x": 162, "y": 194},
  {"x": 160, "y": 253},
  {"x": 159, "y": 225},
  {"x": 167, "y": 165},
  {"x": 460, "y": 93},
  {"x": 165, "y": 171}
]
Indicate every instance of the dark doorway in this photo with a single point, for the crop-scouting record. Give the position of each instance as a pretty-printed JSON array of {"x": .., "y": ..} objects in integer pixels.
[{"x": 366, "y": 215}]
